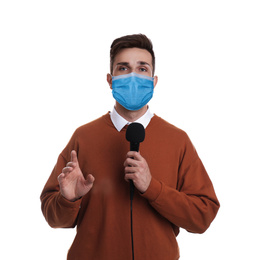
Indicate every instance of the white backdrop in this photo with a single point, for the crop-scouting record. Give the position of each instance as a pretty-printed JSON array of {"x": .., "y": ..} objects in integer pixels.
[{"x": 54, "y": 56}]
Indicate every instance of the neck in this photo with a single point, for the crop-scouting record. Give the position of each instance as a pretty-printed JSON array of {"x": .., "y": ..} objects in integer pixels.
[{"x": 129, "y": 115}]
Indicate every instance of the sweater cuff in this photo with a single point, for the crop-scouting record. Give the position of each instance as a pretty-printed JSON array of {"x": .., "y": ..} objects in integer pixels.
[
  {"x": 153, "y": 191},
  {"x": 67, "y": 203}
]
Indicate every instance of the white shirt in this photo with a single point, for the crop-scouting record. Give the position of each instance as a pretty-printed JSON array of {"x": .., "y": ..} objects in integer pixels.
[{"x": 119, "y": 122}]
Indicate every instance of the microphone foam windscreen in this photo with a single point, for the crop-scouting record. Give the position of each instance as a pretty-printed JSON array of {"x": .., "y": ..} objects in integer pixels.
[{"x": 135, "y": 133}]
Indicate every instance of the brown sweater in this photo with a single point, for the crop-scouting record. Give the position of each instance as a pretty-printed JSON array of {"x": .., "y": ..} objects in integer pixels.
[{"x": 180, "y": 194}]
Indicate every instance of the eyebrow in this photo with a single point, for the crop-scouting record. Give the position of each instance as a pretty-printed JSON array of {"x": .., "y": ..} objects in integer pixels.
[
  {"x": 123, "y": 63},
  {"x": 139, "y": 62},
  {"x": 143, "y": 63}
]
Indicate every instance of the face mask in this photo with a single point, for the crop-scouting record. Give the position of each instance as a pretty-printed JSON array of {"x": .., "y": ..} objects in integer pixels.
[{"x": 132, "y": 91}]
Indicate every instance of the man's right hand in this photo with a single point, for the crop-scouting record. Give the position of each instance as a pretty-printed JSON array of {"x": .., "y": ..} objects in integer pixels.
[{"x": 72, "y": 183}]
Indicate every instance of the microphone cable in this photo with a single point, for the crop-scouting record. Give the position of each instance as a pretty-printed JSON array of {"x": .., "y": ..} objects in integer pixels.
[{"x": 131, "y": 216}]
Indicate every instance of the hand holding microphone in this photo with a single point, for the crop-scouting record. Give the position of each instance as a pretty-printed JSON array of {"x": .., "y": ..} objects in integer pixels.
[
  {"x": 136, "y": 167},
  {"x": 137, "y": 170}
]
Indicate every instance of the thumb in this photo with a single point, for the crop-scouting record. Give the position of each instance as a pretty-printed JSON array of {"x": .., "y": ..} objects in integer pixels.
[
  {"x": 90, "y": 179},
  {"x": 73, "y": 157}
]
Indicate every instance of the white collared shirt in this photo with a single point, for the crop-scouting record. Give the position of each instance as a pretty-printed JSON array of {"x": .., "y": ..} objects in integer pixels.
[{"x": 119, "y": 122}]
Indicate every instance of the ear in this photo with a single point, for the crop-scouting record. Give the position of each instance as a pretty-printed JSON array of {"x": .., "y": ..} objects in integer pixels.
[
  {"x": 109, "y": 80},
  {"x": 155, "y": 81}
]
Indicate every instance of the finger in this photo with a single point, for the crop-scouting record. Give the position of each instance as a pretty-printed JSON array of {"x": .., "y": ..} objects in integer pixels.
[
  {"x": 74, "y": 158},
  {"x": 66, "y": 170},
  {"x": 71, "y": 164},
  {"x": 90, "y": 179},
  {"x": 130, "y": 176},
  {"x": 134, "y": 155},
  {"x": 60, "y": 177},
  {"x": 89, "y": 182},
  {"x": 130, "y": 162},
  {"x": 130, "y": 170},
  {"x": 138, "y": 156}
]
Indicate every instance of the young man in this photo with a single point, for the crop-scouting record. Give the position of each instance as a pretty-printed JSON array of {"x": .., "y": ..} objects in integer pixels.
[{"x": 89, "y": 186}]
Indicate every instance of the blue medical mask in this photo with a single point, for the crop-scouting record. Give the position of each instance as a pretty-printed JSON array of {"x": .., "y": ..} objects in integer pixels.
[{"x": 132, "y": 91}]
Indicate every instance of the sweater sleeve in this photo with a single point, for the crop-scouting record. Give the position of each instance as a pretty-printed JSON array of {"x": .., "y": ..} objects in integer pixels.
[
  {"x": 58, "y": 211},
  {"x": 193, "y": 204}
]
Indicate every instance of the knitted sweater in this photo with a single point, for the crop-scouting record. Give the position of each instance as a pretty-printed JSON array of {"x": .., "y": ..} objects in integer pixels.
[{"x": 180, "y": 194}]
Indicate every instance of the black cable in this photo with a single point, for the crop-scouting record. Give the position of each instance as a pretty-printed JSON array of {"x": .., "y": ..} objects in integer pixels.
[{"x": 131, "y": 215}]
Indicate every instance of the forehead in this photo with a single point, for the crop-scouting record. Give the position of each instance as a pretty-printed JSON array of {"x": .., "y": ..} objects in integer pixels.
[{"x": 133, "y": 55}]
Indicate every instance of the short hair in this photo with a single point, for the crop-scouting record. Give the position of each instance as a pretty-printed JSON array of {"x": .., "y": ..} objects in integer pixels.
[{"x": 131, "y": 41}]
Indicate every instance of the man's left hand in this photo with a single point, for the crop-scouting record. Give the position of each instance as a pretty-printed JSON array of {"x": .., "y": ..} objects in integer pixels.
[{"x": 137, "y": 170}]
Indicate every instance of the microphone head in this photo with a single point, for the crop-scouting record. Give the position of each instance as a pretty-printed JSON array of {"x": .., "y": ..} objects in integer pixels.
[{"x": 135, "y": 133}]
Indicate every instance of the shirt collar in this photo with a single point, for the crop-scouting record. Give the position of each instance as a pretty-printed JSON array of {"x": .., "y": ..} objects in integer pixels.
[{"x": 119, "y": 122}]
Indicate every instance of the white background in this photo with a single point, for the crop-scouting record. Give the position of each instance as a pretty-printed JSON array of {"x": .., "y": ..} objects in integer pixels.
[{"x": 54, "y": 56}]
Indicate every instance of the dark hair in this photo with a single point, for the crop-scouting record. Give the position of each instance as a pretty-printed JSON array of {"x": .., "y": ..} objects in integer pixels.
[{"x": 131, "y": 41}]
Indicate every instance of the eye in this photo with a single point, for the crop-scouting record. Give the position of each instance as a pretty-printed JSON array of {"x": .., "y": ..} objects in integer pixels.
[
  {"x": 143, "y": 69},
  {"x": 122, "y": 68}
]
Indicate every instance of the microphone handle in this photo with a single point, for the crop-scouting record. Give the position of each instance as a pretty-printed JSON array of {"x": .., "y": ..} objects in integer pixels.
[{"x": 134, "y": 146}]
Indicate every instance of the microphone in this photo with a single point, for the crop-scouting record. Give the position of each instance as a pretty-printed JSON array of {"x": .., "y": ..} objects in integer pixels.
[{"x": 135, "y": 134}]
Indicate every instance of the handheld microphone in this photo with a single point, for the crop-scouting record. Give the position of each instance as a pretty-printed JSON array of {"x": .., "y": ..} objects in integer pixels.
[{"x": 135, "y": 134}]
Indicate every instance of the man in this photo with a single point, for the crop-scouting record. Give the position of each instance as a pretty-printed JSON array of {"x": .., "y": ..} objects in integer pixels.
[{"x": 89, "y": 186}]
